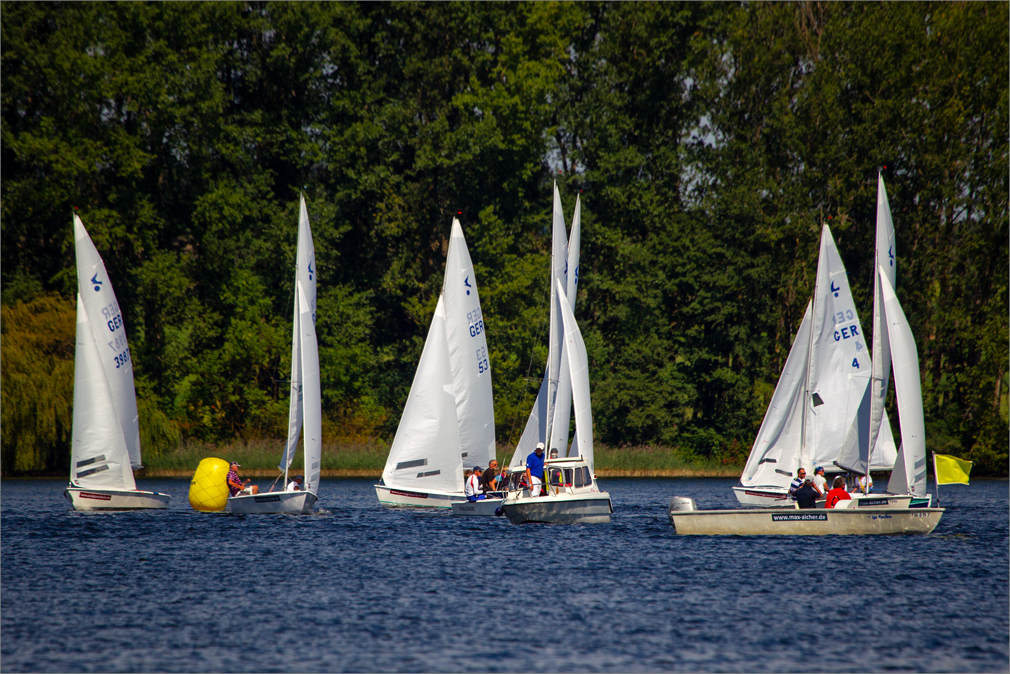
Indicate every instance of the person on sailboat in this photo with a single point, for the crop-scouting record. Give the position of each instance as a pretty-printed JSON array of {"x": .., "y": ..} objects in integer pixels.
[
  {"x": 797, "y": 482},
  {"x": 837, "y": 493},
  {"x": 235, "y": 484},
  {"x": 861, "y": 484},
  {"x": 535, "y": 469},
  {"x": 806, "y": 495},
  {"x": 472, "y": 488},
  {"x": 489, "y": 479},
  {"x": 820, "y": 482},
  {"x": 296, "y": 483}
]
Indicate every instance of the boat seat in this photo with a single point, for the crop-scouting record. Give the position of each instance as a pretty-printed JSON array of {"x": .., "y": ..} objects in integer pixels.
[{"x": 847, "y": 503}]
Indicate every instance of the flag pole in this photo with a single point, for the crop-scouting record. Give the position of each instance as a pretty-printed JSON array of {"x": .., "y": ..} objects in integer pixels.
[{"x": 936, "y": 478}]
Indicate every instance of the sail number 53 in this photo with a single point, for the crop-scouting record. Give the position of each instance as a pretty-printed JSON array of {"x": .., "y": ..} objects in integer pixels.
[{"x": 482, "y": 364}]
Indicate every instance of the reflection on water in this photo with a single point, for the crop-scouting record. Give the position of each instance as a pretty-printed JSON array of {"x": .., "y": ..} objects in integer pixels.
[{"x": 360, "y": 588}]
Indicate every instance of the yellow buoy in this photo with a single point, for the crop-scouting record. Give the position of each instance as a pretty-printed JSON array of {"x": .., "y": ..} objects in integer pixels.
[{"x": 208, "y": 492}]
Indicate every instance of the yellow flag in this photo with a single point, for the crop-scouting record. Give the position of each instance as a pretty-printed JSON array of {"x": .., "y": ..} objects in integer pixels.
[{"x": 950, "y": 469}]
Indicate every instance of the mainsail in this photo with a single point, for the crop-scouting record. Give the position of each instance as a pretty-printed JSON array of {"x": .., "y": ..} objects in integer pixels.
[
  {"x": 109, "y": 333},
  {"x": 305, "y": 290},
  {"x": 468, "y": 355},
  {"x": 839, "y": 364}
]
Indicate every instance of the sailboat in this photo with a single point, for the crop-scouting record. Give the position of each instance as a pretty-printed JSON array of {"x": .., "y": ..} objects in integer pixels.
[
  {"x": 105, "y": 445},
  {"x": 819, "y": 396},
  {"x": 908, "y": 475},
  {"x": 572, "y": 497},
  {"x": 305, "y": 410},
  {"x": 569, "y": 469},
  {"x": 448, "y": 419}
]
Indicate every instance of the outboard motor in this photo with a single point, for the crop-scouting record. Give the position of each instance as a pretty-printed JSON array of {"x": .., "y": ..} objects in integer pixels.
[{"x": 681, "y": 504}]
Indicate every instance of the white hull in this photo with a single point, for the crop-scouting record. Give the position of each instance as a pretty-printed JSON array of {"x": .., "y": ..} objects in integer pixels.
[
  {"x": 483, "y": 508},
  {"x": 273, "y": 503},
  {"x": 587, "y": 508},
  {"x": 115, "y": 499},
  {"x": 389, "y": 496},
  {"x": 763, "y": 497},
  {"x": 814, "y": 522}
]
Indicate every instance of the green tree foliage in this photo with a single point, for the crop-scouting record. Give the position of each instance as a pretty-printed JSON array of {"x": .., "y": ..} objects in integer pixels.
[
  {"x": 37, "y": 387},
  {"x": 708, "y": 142}
]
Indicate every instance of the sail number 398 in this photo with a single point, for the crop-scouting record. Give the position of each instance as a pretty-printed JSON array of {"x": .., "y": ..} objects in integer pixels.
[{"x": 122, "y": 359}]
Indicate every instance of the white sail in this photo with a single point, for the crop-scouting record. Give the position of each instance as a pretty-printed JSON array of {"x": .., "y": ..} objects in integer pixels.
[
  {"x": 885, "y": 258},
  {"x": 425, "y": 452},
  {"x": 563, "y": 404},
  {"x": 775, "y": 455},
  {"x": 305, "y": 274},
  {"x": 559, "y": 259},
  {"x": 839, "y": 364},
  {"x": 99, "y": 458},
  {"x": 468, "y": 354},
  {"x": 311, "y": 391},
  {"x": 908, "y": 390},
  {"x": 578, "y": 361},
  {"x": 535, "y": 430},
  {"x": 109, "y": 332}
]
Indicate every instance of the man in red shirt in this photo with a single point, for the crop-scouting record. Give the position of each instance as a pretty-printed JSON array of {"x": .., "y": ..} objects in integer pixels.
[{"x": 837, "y": 493}]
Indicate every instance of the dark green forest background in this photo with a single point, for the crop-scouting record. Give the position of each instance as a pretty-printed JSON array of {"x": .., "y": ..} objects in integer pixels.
[{"x": 708, "y": 142}]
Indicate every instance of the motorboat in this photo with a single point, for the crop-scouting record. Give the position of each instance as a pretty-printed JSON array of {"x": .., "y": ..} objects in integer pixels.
[
  {"x": 852, "y": 517},
  {"x": 570, "y": 496}
]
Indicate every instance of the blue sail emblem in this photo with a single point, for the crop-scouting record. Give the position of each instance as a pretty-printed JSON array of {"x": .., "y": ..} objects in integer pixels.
[
  {"x": 890, "y": 254},
  {"x": 834, "y": 289},
  {"x": 311, "y": 271},
  {"x": 95, "y": 282},
  {"x": 466, "y": 282}
]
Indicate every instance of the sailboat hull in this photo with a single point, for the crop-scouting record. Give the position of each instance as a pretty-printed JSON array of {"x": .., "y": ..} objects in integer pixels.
[
  {"x": 482, "y": 508},
  {"x": 409, "y": 498},
  {"x": 115, "y": 499},
  {"x": 590, "y": 508},
  {"x": 273, "y": 503}
]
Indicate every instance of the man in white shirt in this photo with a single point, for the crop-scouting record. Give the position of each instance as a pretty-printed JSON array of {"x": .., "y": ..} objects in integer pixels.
[
  {"x": 472, "y": 488},
  {"x": 295, "y": 484}
]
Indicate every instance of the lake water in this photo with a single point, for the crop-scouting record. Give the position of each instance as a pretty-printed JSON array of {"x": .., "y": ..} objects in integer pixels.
[{"x": 358, "y": 587}]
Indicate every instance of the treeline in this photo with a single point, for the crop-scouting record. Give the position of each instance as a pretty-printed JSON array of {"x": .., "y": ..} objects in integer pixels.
[{"x": 708, "y": 143}]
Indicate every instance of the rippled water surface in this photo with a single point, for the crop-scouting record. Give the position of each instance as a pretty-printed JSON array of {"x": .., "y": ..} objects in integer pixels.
[{"x": 360, "y": 588}]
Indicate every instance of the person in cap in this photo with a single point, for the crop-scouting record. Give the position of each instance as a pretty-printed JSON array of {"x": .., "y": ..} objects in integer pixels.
[
  {"x": 235, "y": 484},
  {"x": 472, "y": 488},
  {"x": 837, "y": 493},
  {"x": 806, "y": 495},
  {"x": 296, "y": 483},
  {"x": 535, "y": 469},
  {"x": 820, "y": 482}
]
